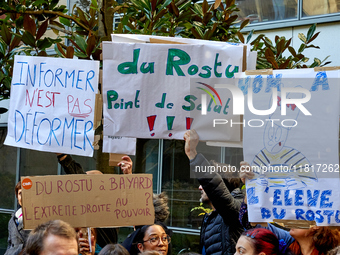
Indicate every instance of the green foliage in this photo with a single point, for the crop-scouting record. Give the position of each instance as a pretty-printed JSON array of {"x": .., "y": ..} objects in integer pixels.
[
  {"x": 271, "y": 55},
  {"x": 179, "y": 17},
  {"x": 23, "y": 31},
  {"x": 215, "y": 22},
  {"x": 156, "y": 17},
  {"x": 24, "y": 25}
]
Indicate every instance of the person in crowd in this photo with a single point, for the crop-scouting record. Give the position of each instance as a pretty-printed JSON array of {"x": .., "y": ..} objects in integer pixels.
[
  {"x": 52, "y": 237},
  {"x": 314, "y": 241},
  {"x": 70, "y": 166},
  {"x": 114, "y": 249},
  {"x": 83, "y": 242},
  {"x": 160, "y": 203},
  {"x": 151, "y": 238},
  {"x": 258, "y": 241},
  {"x": 220, "y": 229},
  {"x": 17, "y": 236}
]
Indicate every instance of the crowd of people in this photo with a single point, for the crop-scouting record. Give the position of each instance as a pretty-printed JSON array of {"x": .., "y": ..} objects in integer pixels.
[{"x": 224, "y": 231}]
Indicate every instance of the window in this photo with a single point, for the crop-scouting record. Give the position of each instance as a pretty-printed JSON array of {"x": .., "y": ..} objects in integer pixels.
[
  {"x": 287, "y": 13},
  {"x": 262, "y": 11},
  {"x": 320, "y": 7}
]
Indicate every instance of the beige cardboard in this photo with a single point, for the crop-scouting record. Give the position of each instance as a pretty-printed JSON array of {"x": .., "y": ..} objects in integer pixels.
[
  {"x": 259, "y": 72},
  {"x": 244, "y": 62},
  {"x": 295, "y": 223},
  {"x": 88, "y": 200},
  {"x": 156, "y": 40},
  {"x": 326, "y": 68},
  {"x": 98, "y": 111},
  {"x": 114, "y": 159}
]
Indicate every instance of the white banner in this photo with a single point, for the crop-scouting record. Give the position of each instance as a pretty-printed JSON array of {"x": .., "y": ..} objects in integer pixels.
[
  {"x": 52, "y": 104},
  {"x": 119, "y": 145},
  {"x": 147, "y": 92},
  {"x": 293, "y": 147}
]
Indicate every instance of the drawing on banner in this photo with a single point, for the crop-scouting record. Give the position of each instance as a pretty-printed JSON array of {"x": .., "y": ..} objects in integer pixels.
[
  {"x": 278, "y": 156},
  {"x": 292, "y": 145}
]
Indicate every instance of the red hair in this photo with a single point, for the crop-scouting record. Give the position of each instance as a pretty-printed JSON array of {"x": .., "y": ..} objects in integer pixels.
[{"x": 263, "y": 240}]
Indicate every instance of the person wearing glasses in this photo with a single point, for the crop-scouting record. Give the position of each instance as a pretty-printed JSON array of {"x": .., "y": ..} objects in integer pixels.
[{"x": 152, "y": 238}]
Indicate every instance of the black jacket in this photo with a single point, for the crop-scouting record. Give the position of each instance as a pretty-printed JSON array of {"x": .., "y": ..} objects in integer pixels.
[{"x": 221, "y": 229}]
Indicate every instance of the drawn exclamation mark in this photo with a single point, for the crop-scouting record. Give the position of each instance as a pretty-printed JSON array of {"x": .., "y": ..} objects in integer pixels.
[
  {"x": 169, "y": 122},
  {"x": 151, "y": 122},
  {"x": 188, "y": 122}
]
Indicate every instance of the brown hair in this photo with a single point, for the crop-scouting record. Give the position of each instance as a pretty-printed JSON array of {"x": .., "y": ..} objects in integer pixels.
[
  {"x": 35, "y": 241},
  {"x": 160, "y": 202},
  {"x": 17, "y": 187},
  {"x": 324, "y": 238},
  {"x": 114, "y": 249}
]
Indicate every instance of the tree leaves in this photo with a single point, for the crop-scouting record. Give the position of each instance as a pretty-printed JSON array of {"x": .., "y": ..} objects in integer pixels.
[
  {"x": 29, "y": 25},
  {"x": 272, "y": 55},
  {"x": 5, "y": 34},
  {"x": 42, "y": 29}
]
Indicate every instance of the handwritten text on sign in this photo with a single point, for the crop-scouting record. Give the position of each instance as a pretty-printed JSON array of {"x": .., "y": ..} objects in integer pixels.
[
  {"x": 149, "y": 84},
  {"x": 89, "y": 200},
  {"x": 289, "y": 146},
  {"x": 52, "y": 104}
]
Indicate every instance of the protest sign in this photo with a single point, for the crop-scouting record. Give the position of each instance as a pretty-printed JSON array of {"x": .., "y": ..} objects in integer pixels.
[
  {"x": 291, "y": 129},
  {"x": 88, "y": 200},
  {"x": 120, "y": 145},
  {"x": 52, "y": 104},
  {"x": 147, "y": 92}
]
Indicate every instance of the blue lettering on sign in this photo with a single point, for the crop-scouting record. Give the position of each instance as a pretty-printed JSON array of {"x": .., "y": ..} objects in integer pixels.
[
  {"x": 320, "y": 80},
  {"x": 252, "y": 199},
  {"x": 36, "y": 128},
  {"x": 324, "y": 199},
  {"x": 36, "y": 75}
]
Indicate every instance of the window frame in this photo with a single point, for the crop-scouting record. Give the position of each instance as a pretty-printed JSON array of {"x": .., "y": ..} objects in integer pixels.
[{"x": 293, "y": 22}]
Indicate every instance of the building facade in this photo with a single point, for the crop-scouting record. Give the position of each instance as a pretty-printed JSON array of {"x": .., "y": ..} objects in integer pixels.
[{"x": 165, "y": 159}]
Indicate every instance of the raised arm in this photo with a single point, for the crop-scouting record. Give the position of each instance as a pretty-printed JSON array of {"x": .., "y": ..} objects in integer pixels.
[
  {"x": 70, "y": 166},
  {"x": 219, "y": 195}
]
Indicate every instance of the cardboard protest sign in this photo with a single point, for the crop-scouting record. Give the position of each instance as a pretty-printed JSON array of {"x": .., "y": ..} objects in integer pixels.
[
  {"x": 88, "y": 200},
  {"x": 147, "y": 91},
  {"x": 52, "y": 104},
  {"x": 291, "y": 129}
]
